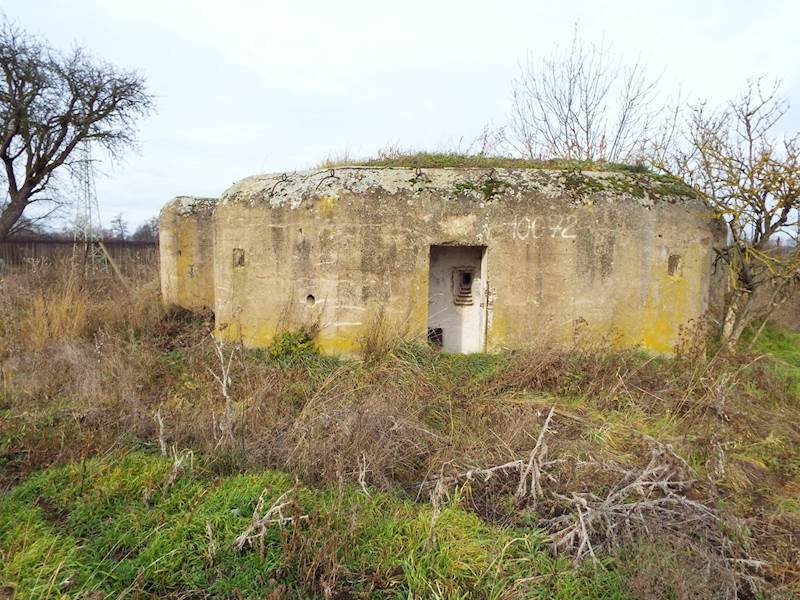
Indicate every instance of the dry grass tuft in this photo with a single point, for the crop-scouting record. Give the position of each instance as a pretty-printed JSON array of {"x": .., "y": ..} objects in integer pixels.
[{"x": 55, "y": 313}]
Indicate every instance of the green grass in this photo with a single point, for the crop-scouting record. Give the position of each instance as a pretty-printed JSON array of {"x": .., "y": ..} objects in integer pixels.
[
  {"x": 115, "y": 526},
  {"x": 433, "y": 160},
  {"x": 783, "y": 346},
  {"x": 477, "y": 366}
]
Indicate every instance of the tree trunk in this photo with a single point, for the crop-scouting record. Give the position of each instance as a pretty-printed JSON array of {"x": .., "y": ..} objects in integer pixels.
[
  {"x": 737, "y": 316},
  {"x": 11, "y": 214}
]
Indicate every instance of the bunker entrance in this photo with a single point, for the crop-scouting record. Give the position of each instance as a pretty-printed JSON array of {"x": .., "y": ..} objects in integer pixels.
[{"x": 456, "y": 298}]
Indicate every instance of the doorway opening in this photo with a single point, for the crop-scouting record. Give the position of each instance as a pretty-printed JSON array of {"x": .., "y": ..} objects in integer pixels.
[{"x": 457, "y": 298}]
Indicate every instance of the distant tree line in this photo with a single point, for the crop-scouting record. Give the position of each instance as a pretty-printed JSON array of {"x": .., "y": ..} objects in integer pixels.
[{"x": 119, "y": 230}]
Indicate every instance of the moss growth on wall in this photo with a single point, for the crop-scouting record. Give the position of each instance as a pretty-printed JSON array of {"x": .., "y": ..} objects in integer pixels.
[
  {"x": 638, "y": 185},
  {"x": 489, "y": 187},
  {"x": 579, "y": 185}
]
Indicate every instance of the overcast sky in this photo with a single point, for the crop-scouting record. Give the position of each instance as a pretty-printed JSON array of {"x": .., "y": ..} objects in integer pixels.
[{"x": 247, "y": 87}]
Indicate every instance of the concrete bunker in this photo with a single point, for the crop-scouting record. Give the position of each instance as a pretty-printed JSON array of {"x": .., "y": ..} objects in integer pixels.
[{"x": 469, "y": 259}]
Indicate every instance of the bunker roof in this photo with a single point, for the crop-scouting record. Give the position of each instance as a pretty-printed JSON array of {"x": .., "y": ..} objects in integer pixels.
[
  {"x": 191, "y": 205},
  {"x": 484, "y": 184}
]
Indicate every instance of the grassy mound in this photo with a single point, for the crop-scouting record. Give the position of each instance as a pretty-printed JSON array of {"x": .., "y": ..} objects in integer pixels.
[
  {"x": 434, "y": 160},
  {"x": 637, "y": 179},
  {"x": 126, "y": 524}
]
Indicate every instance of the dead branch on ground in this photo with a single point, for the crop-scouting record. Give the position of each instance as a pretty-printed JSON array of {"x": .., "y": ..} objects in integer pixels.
[
  {"x": 177, "y": 464},
  {"x": 531, "y": 471},
  {"x": 259, "y": 523},
  {"x": 655, "y": 500}
]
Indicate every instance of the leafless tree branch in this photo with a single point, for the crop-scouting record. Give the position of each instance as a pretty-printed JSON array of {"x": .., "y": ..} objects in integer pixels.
[
  {"x": 581, "y": 103},
  {"x": 750, "y": 175},
  {"x": 51, "y": 102}
]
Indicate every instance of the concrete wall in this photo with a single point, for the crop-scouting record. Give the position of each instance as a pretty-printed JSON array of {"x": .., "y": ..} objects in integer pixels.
[
  {"x": 566, "y": 254},
  {"x": 186, "y": 252}
]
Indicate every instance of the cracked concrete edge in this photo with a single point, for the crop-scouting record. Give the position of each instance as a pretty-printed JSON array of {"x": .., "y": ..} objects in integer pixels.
[{"x": 482, "y": 184}]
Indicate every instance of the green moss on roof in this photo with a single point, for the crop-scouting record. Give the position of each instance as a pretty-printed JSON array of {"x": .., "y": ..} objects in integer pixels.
[
  {"x": 637, "y": 184},
  {"x": 432, "y": 160},
  {"x": 636, "y": 180}
]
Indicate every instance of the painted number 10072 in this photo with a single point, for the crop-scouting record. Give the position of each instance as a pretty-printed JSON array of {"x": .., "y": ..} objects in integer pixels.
[{"x": 553, "y": 226}]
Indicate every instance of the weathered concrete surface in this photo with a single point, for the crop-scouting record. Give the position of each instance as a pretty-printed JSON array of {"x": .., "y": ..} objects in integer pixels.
[
  {"x": 566, "y": 254},
  {"x": 186, "y": 251}
]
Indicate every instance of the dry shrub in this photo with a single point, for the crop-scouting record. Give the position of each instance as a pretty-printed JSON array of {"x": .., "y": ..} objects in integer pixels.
[
  {"x": 29, "y": 444},
  {"x": 693, "y": 338},
  {"x": 318, "y": 550},
  {"x": 382, "y": 337},
  {"x": 779, "y": 536},
  {"x": 64, "y": 303},
  {"x": 134, "y": 310},
  {"x": 624, "y": 379},
  {"x": 593, "y": 370},
  {"x": 58, "y": 312},
  {"x": 374, "y": 420},
  {"x": 671, "y": 569},
  {"x": 377, "y": 342}
]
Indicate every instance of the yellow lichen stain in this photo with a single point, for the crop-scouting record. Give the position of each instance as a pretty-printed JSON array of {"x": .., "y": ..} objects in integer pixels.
[
  {"x": 326, "y": 205},
  {"x": 666, "y": 309},
  {"x": 497, "y": 334},
  {"x": 338, "y": 343},
  {"x": 658, "y": 330},
  {"x": 670, "y": 303},
  {"x": 418, "y": 313},
  {"x": 625, "y": 327},
  {"x": 261, "y": 335},
  {"x": 335, "y": 341},
  {"x": 229, "y": 333},
  {"x": 235, "y": 332}
]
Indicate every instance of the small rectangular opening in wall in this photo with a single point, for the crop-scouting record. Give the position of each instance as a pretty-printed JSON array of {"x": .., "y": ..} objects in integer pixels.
[
  {"x": 436, "y": 337},
  {"x": 238, "y": 257},
  {"x": 674, "y": 264},
  {"x": 462, "y": 285}
]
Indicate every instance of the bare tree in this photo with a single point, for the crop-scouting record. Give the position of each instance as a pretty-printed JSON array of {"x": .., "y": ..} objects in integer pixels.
[
  {"x": 582, "y": 103},
  {"x": 50, "y": 102},
  {"x": 147, "y": 231},
  {"x": 119, "y": 227},
  {"x": 750, "y": 174}
]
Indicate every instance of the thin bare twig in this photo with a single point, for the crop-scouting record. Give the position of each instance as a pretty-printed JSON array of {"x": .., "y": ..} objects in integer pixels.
[
  {"x": 226, "y": 424},
  {"x": 259, "y": 522},
  {"x": 161, "y": 442}
]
